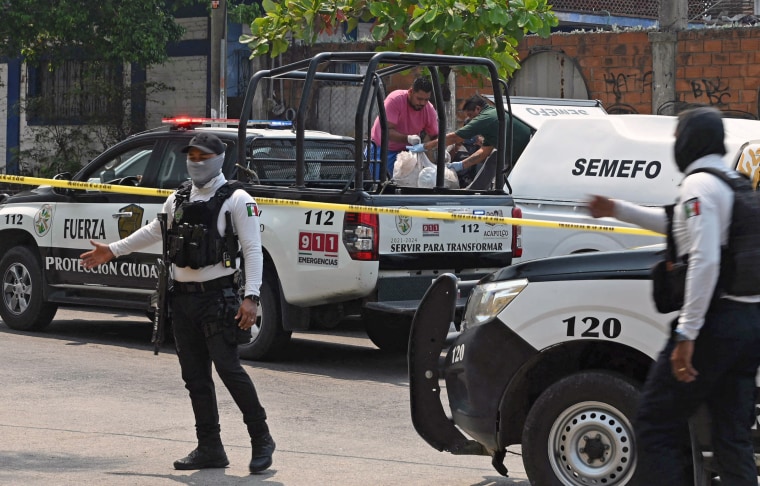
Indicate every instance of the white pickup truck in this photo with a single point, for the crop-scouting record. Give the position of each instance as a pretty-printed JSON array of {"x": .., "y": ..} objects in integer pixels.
[
  {"x": 320, "y": 264},
  {"x": 577, "y": 150}
]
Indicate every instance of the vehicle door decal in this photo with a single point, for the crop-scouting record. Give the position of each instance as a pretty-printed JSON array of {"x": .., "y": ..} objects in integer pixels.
[
  {"x": 43, "y": 220},
  {"x": 129, "y": 224}
]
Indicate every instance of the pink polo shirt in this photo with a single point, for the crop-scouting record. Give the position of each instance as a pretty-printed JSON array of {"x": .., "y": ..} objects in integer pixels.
[{"x": 407, "y": 119}]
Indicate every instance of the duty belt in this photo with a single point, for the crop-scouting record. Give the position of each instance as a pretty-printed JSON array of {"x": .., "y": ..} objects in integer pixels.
[{"x": 198, "y": 287}]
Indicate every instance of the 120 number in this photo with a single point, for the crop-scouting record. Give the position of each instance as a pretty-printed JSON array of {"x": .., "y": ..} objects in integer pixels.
[{"x": 611, "y": 327}]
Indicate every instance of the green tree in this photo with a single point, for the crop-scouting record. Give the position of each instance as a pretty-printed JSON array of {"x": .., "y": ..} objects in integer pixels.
[
  {"x": 80, "y": 48},
  {"x": 485, "y": 28},
  {"x": 130, "y": 31}
]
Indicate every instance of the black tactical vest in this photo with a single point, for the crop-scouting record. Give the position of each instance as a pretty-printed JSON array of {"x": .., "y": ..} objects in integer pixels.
[{"x": 194, "y": 240}]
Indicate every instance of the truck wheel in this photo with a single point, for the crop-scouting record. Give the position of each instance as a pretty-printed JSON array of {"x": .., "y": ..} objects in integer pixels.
[
  {"x": 579, "y": 432},
  {"x": 22, "y": 307},
  {"x": 389, "y": 332},
  {"x": 268, "y": 338}
]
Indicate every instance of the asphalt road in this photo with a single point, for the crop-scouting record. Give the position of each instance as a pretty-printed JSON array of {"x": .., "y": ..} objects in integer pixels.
[{"x": 86, "y": 401}]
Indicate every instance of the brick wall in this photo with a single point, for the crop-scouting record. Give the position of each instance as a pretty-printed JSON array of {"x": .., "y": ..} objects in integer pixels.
[{"x": 713, "y": 66}]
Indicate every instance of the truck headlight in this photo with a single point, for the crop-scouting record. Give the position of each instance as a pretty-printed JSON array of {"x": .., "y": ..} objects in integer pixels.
[{"x": 487, "y": 300}]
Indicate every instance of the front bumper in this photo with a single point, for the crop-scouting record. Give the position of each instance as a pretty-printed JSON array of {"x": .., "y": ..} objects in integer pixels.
[
  {"x": 427, "y": 339},
  {"x": 478, "y": 369}
]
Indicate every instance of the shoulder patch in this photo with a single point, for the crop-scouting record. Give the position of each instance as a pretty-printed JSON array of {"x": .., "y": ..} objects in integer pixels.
[
  {"x": 691, "y": 207},
  {"x": 253, "y": 209}
]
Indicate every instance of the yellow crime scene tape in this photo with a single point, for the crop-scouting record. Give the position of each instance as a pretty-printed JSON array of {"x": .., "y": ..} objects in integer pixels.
[{"x": 414, "y": 213}]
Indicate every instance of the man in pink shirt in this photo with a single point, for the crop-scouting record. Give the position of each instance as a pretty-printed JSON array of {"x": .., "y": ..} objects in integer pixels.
[{"x": 408, "y": 112}]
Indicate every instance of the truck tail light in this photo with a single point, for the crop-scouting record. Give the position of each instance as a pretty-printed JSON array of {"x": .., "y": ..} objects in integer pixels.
[
  {"x": 360, "y": 235},
  {"x": 517, "y": 249}
]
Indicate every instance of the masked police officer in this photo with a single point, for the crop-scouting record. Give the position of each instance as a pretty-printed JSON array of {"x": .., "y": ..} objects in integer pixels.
[
  {"x": 206, "y": 308},
  {"x": 712, "y": 356}
]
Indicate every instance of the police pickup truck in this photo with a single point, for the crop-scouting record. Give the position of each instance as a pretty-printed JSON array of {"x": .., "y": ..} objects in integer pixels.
[
  {"x": 324, "y": 257},
  {"x": 551, "y": 356}
]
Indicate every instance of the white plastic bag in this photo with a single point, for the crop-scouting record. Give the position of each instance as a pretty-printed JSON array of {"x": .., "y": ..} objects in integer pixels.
[
  {"x": 428, "y": 174},
  {"x": 406, "y": 169},
  {"x": 424, "y": 161}
]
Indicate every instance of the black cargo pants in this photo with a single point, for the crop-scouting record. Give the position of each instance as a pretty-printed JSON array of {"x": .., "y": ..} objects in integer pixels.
[
  {"x": 726, "y": 356},
  {"x": 204, "y": 333}
]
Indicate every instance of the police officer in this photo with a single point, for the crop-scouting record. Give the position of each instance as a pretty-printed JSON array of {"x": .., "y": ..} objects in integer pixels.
[
  {"x": 206, "y": 308},
  {"x": 712, "y": 355}
]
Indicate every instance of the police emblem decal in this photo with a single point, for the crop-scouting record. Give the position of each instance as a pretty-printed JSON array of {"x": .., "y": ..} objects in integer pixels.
[
  {"x": 129, "y": 224},
  {"x": 403, "y": 224},
  {"x": 42, "y": 220}
]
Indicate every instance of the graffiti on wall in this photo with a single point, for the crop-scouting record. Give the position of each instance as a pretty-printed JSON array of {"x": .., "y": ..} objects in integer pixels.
[
  {"x": 711, "y": 91},
  {"x": 714, "y": 92},
  {"x": 703, "y": 91},
  {"x": 618, "y": 84}
]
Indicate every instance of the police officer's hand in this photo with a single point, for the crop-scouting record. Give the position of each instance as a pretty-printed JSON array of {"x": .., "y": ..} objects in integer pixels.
[
  {"x": 601, "y": 207},
  {"x": 680, "y": 361},
  {"x": 97, "y": 256},
  {"x": 246, "y": 314}
]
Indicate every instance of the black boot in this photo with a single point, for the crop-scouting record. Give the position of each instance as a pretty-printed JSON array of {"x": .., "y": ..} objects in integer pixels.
[
  {"x": 261, "y": 457},
  {"x": 203, "y": 457}
]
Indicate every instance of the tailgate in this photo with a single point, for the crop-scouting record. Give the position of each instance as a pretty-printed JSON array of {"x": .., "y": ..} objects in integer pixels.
[{"x": 407, "y": 242}]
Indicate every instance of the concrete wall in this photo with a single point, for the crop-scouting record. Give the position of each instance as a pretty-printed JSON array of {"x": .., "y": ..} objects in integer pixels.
[{"x": 186, "y": 75}]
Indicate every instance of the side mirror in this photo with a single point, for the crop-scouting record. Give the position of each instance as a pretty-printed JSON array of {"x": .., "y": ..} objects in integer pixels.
[{"x": 65, "y": 176}]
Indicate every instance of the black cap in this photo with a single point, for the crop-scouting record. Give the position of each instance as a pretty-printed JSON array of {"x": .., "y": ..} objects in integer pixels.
[{"x": 207, "y": 143}]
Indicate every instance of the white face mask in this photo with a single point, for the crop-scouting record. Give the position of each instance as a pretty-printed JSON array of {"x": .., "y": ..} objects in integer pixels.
[{"x": 205, "y": 170}]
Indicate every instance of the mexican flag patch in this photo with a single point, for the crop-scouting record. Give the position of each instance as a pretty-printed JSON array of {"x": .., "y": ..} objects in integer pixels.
[
  {"x": 253, "y": 209},
  {"x": 691, "y": 207}
]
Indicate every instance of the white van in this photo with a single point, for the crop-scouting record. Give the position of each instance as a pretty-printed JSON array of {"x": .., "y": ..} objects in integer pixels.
[{"x": 578, "y": 150}]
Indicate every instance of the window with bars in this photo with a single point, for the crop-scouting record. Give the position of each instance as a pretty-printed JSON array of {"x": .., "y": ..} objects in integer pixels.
[{"x": 72, "y": 92}]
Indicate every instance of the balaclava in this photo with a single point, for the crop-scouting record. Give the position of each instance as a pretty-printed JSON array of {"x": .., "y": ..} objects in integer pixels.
[
  {"x": 699, "y": 133},
  {"x": 205, "y": 170}
]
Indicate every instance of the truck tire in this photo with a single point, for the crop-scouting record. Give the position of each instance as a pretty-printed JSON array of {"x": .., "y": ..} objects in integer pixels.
[
  {"x": 21, "y": 306},
  {"x": 579, "y": 432},
  {"x": 389, "y": 332},
  {"x": 268, "y": 338}
]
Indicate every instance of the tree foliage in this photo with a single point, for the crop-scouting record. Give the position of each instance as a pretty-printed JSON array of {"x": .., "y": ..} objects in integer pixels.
[
  {"x": 485, "y": 28},
  {"x": 84, "y": 41},
  {"x": 133, "y": 31}
]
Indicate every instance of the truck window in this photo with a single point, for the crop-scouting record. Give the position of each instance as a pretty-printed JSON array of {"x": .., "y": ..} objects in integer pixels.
[
  {"x": 326, "y": 161},
  {"x": 173, "y": 166},
  {"x": 130, "y": 164}
]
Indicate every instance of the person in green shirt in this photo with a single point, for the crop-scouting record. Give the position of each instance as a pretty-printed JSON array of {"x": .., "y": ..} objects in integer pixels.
[{"x": 485, "y": 122}]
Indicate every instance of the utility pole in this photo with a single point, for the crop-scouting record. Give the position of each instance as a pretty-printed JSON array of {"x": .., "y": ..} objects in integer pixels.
[
  {"x": 218, "y": 59},
  {"x": 673, "y": 18}
]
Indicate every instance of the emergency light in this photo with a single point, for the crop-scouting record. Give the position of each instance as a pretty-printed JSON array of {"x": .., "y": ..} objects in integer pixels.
[{"x": 188, "y": 122}]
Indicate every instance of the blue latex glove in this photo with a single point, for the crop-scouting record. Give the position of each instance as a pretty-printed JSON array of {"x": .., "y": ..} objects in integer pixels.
[
  {"x": 456, "y": 166},
  {"x": 416, "y": 148}
]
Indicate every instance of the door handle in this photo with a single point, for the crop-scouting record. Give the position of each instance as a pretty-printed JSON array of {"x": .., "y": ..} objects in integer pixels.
[{"x": 125, "y": 214}]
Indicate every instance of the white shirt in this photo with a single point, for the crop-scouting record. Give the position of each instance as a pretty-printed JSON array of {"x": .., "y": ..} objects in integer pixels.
[
  {"x": 701, "y": 221},
  {"x": 244, "y": 225}
]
